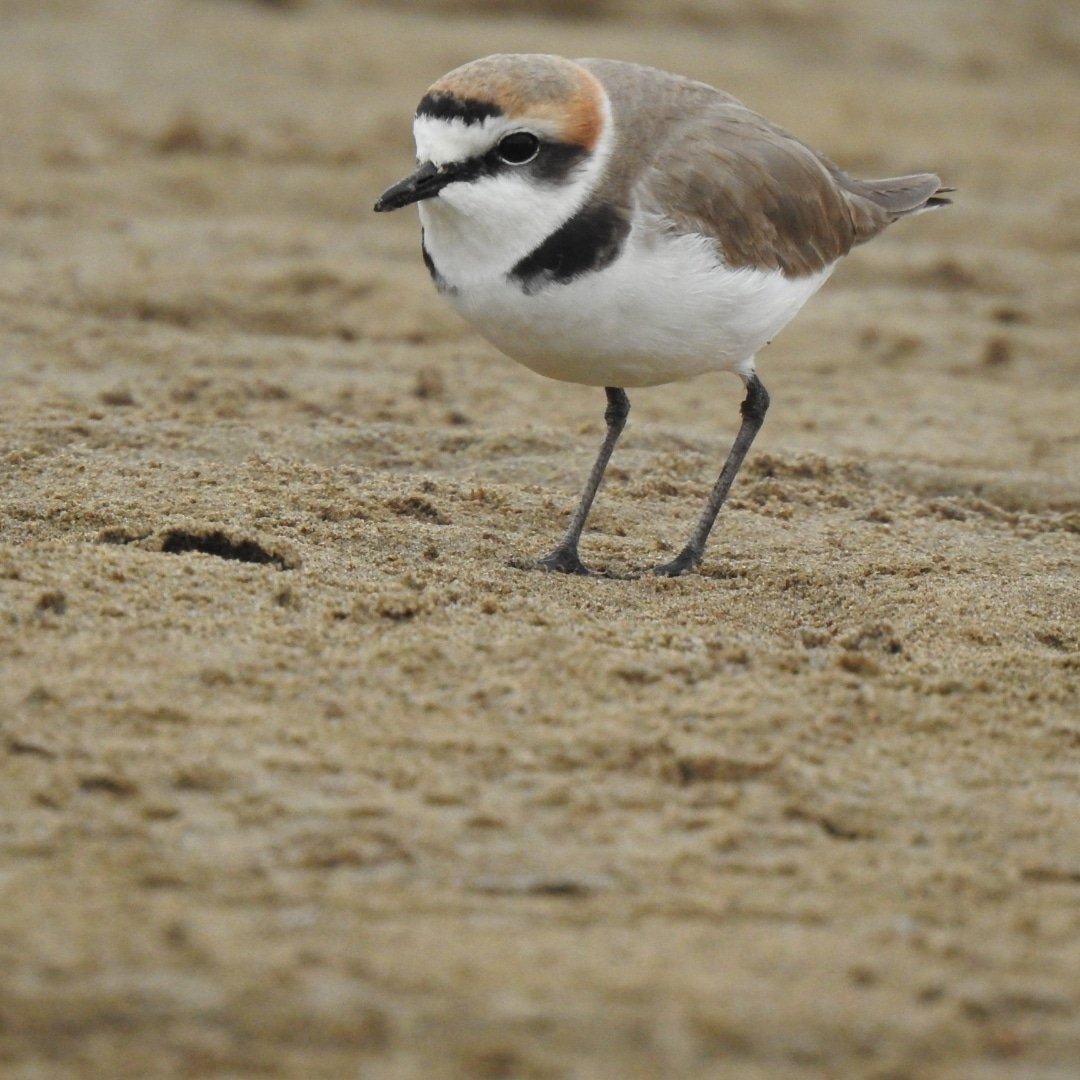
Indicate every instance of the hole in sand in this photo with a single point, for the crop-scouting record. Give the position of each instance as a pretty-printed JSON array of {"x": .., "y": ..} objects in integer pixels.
[
  {"x": 208, "y": 540},
  {"x": 216, "y": 542}
]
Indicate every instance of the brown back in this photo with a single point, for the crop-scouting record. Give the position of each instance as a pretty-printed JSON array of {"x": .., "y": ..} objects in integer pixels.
[{"x": 709, "y": 165}]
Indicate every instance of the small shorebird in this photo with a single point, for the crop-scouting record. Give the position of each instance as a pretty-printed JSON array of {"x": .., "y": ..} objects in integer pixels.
[{"x": 614, "y": 225}]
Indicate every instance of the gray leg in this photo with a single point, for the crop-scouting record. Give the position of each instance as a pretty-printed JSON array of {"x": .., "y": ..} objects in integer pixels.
[
  {"x": 753, "y": 411},
  {"x": 564, "y": 558}
]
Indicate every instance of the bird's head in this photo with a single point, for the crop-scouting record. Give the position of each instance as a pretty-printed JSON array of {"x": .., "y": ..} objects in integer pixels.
[{"x": 508, "y": 148}]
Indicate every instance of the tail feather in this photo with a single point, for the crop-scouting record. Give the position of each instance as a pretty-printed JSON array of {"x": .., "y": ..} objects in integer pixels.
[{"x": 900, "y": 196}]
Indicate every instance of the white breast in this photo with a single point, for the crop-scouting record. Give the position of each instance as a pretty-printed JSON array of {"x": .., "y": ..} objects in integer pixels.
[{"x": 666, "y": 309}]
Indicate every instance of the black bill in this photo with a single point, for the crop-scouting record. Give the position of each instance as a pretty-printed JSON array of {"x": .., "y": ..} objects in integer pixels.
[{"x": 425, "y": 183}]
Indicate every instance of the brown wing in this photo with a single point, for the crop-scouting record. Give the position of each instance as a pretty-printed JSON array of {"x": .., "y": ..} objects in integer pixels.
[{"x": 709, "y": 165}]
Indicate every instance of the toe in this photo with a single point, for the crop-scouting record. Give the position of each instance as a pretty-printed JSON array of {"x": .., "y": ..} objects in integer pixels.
[
  {"x": 684, "y": 563},
  {"x": 559, "y": 561}
]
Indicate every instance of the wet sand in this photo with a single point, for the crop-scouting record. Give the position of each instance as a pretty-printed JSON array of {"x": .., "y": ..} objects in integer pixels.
[{"x": 363, "y": 800}]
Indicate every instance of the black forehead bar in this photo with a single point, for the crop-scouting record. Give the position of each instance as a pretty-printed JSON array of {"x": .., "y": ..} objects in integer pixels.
[{"x": 442, "y": 106}]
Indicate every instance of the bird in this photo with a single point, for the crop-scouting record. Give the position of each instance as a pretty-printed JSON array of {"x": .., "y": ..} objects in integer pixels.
[{"x": 611, "y": 224}]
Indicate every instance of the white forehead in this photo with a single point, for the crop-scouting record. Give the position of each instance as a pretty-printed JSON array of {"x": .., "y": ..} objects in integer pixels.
[{"x": 441, "y": 141}]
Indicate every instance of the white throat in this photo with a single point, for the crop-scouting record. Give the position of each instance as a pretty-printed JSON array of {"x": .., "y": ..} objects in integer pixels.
[{"x": 480, "y": 229}]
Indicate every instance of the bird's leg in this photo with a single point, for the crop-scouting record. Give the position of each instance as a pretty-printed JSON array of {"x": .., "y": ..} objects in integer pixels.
[
  {"x": 564, "y": 558},
  {"x": 753, "y": 410}
]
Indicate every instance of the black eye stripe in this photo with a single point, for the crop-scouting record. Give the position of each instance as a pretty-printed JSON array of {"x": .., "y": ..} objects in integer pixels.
[
  {"x": 553, "y": 163},
  {"x": 556, "y": 161}
]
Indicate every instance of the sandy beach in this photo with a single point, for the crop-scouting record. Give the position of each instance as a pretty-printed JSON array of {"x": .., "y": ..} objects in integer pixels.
[{"x": 302, "y": 778}]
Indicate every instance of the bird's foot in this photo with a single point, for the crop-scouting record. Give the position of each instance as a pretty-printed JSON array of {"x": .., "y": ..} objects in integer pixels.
[
  {"x": 683, "y": 563},
  {"x": 562, "y": 560}
]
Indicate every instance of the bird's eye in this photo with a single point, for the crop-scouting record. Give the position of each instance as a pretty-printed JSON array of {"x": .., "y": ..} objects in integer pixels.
[{"x": 519, "y": 148}]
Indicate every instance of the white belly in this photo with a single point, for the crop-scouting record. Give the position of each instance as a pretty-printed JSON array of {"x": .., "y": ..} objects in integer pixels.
[{"x": 667, "y": 309}]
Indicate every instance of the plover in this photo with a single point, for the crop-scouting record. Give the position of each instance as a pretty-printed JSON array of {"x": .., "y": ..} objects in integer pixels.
[{"x": 614, "y": 225}]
